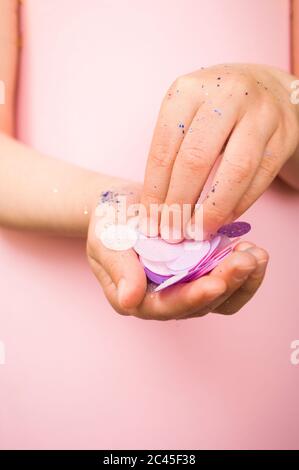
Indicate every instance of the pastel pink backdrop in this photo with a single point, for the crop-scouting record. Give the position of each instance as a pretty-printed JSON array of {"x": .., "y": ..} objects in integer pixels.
[{"x": 77, "y": 375}]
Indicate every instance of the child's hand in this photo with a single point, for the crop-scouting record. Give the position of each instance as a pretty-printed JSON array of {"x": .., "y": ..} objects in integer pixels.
[
  {"x": 225, "y": 290},
  {"x": 244, "y": 111}
]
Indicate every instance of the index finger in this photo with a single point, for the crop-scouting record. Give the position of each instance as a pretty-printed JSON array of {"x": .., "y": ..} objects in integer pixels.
[
  {"x": 177, "y": 111},
  {"x": 195, "y": 160}
]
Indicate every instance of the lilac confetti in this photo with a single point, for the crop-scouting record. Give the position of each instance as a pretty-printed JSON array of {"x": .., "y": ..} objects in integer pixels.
[{"x": 235, "y": 229}]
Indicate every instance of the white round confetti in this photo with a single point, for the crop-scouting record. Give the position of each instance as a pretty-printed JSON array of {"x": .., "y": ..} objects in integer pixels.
[
  {"x": 156, "y": 249},
  {"x": 190, "y": 257},
  {"x": 156, "y": 267},
  {"x": 118, "y": 237}
]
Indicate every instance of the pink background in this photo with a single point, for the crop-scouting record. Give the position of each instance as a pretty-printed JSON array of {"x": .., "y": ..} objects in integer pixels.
[{"x": 77, "y": 375}]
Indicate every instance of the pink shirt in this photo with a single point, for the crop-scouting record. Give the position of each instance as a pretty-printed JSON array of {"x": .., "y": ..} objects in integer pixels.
[{"x": 77, "y": 375}]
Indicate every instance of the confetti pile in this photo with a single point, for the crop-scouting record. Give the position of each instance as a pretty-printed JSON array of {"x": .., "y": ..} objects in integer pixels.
[{"x": 167, "y": 264}]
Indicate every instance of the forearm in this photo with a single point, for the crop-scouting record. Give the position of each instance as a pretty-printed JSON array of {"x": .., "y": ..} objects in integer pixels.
[
  {"x": 9, "y": 48},
  {"x": 290, "y": 171},
  {"x": 38, "y": 192}
]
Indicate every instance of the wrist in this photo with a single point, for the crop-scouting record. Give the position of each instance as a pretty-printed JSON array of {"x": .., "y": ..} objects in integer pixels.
[{"x": 289, "y": 173}]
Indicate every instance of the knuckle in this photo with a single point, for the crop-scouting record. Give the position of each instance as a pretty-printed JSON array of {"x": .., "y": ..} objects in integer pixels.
[
  {"x": 240, "y": 80},
  {"x": 184, "y": 82},
  {"x": 269, "y": 167},
  {"x": 194, "y": 158},
  {"x": 268, "y": 112},
  {"x": 240, "y": 167},
  {"x": 161, "y": 156}
]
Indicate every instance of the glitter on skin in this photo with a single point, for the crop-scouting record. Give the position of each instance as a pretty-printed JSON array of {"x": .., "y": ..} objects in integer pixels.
[
  {"x": 107, "y": 196},
  {"x": 181, "y": 126},
  {"x": 217, "y": 111},
  {"x": 113, "y": 197}
]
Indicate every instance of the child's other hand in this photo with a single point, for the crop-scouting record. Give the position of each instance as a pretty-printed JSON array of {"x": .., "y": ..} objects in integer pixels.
[{"x": 244, "y": 111}]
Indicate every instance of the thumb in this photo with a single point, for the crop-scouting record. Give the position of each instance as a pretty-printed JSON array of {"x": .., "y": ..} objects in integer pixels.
[
  {"x": 120, "y": 272},
  {"x": 126, "y": 273}
]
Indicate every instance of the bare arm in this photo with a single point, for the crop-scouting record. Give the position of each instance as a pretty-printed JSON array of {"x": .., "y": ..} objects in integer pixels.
[
  {"x": 295, "y": 37},
  {"x": 9, "y": 47},
  {"x": 36, "y": 191},
  {"x": 290, "y": 172}
]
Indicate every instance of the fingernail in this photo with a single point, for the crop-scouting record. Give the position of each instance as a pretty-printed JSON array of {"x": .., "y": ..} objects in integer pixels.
[
  {"x": 261, "y": 267},
  {"x": 149, "y": 227},
  {"x": 171, "y": 234},
  {"x": 121, "y": 291},
  {"x": 244, "y": 246},
  {"x": 243, "y": 274},
  {"x": 256, "y": 252}
]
